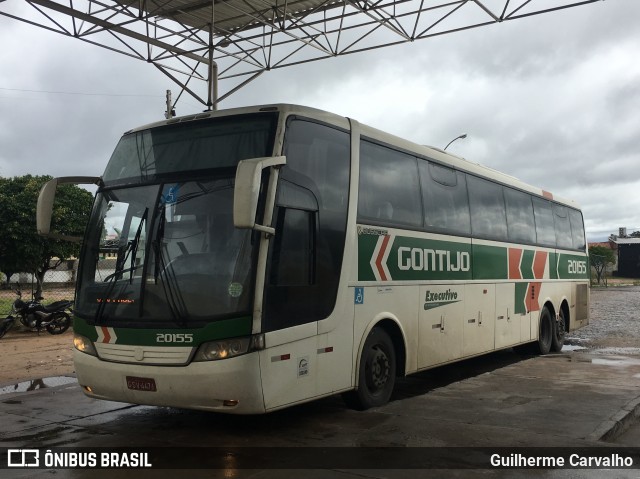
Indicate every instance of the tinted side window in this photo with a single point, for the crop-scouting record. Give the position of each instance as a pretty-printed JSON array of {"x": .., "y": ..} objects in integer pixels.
[
  {"x": 389, "y": 188},
  {"x": 488, "y": 218},
  {"x": 293, "y": 253},
  {"x": 446, "y": 204},
  {"x": 320, "y": 154},
  {"x": 563, "y": 228},
  {"x": 520, "y": 222},
  {"x": 545, "y": 228},
  {"x": 305, "y": 256},
  {"x": 577, "y": 229}
]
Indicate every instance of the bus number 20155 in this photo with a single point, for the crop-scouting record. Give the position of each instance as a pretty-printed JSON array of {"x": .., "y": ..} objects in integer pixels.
[
  {"x": 174, "y": 338},
  {"x": 577, "y": 267}
]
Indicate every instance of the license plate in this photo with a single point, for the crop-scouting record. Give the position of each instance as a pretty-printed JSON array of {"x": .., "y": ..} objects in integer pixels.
[{"x": 141, "y": 384}]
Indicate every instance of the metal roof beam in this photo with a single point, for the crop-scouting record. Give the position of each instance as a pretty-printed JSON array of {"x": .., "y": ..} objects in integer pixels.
[{"x": 118, "y": 29}]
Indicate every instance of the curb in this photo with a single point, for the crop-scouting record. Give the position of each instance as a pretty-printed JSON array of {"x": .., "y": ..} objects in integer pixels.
[{"x": 613, "y": 428}]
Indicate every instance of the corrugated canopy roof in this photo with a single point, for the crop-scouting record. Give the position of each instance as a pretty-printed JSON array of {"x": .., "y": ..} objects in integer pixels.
[
  {"x": 230, "y": 15},
  {"x": 254, "y": 36}
]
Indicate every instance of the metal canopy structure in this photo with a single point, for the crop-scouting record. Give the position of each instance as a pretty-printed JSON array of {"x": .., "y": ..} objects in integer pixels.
[{"x": 202, "y": 42}]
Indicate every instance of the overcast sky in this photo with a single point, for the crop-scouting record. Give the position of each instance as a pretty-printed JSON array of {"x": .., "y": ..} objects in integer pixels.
[{"x": 553, "y": 99}]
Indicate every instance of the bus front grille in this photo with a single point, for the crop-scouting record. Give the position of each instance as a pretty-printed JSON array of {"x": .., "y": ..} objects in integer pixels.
[{"x": 158, "y": 355}]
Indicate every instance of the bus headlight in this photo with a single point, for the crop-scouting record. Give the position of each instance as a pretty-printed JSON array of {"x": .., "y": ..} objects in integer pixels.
[
  {"x": 84, "y": 345},
  {"x": 229, "y": 348}
]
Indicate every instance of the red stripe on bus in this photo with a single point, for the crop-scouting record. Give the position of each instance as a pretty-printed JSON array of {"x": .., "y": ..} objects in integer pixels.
[
  {"x": 107, "y": 335},
  {"x": 533, "y": 293},
  {"x": 515, "y": 256},
  {"x": 383, "y": 248}
]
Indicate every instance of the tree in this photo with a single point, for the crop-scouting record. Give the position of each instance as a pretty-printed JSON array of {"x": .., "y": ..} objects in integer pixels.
[
  {"x": 600, "y": 257},
  {"x": 21, "y": 248}
]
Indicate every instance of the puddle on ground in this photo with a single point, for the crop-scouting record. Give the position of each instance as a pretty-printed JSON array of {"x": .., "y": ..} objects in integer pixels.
[
  {"x": 617, "y": 361},
  {"x": 571, "y": 347},
  {"x": 626, "y": 351},
  {"x": 34, "y": 384}
]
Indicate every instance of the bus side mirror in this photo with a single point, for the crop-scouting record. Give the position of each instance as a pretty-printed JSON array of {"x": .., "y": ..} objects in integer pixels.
[
  {"x": 247, "y": 191},
  {"x": 45, "y": 204}
]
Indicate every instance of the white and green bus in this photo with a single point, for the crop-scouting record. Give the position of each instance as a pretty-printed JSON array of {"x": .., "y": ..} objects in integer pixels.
[{"x": 250, "y": 259}]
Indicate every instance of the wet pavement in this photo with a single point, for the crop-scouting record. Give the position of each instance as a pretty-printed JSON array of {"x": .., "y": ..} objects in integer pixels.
[
  {"x": 34, "y": 384},
  {"x": 586, "y": 396},
  {"x": 572, "y": 399}
]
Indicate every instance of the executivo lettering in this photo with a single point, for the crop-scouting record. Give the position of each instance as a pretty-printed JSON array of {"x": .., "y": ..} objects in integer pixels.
[{"x": 439, "y": 298}]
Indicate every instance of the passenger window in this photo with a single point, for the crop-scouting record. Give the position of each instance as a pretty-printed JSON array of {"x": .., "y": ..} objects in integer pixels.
[
  {"x": 446, "y": 204},
  {"x": 577, "y": 230},
  {"x": 545, "y": 228},
  {"x": 562, "y": 226},
  {"x": 389, "y": 188},
  {"x": 488, "y": 218},
  {"x": 520, "y": 222},
  {"x": 320, "y": 154}
]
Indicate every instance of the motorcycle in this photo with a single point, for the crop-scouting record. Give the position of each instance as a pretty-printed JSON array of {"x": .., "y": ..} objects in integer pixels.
[{"x": 34, "y": 315}]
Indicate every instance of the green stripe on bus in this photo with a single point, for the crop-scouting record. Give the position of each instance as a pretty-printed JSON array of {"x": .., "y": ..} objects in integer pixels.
[
  {"x": 490, "y": 262},
  {"x": 572, "y": 266},
  {"x": 520, "y": 306},
  {"x": 420, "y": 259},
  {"x": 223, "y": 329},
  {"x": 553, "y": 266},
  {"x": 402, "y": 258},
  {"x": 366, "y": 247},
  {"x": 526, "y": 265}
]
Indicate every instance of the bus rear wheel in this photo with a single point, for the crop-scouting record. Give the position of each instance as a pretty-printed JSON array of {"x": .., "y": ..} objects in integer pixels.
[
  {"x": 546, "y": 333},
  {"x": 377, "y": 372}
]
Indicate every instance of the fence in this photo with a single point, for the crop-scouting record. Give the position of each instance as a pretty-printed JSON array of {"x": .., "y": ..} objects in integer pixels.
[{"x": 59, "y": 284}]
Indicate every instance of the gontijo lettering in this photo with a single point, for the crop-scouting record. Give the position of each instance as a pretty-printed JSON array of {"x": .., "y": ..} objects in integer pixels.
[{"x": 418, "y": 259}]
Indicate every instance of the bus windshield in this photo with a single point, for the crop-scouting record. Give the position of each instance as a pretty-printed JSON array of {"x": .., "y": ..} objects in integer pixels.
[
  {"x": 190, "y": 148},
  {"x": 160, "y": 246},
  {"x": 166, "y": 252}
]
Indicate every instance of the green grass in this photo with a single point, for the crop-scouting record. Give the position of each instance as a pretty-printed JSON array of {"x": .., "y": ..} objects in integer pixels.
[{"x": 5, "y": 306}]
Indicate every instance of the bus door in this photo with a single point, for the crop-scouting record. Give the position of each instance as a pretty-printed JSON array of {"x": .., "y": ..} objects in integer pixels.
[{"x": 305, "y": 335}]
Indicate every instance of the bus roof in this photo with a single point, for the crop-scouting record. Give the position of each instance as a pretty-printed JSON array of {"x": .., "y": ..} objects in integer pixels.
[{"x": 424, "y": 151}]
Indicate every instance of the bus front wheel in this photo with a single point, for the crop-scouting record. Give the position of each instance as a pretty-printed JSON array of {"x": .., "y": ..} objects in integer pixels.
[{"x": 377, "y": 372}]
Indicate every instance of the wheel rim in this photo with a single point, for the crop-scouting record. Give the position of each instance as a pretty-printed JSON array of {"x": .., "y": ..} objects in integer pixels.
[
  {"x": 377, "y": 369},
  {"x": 561, "y": 327},
  {"x": 58, "y": 324}
]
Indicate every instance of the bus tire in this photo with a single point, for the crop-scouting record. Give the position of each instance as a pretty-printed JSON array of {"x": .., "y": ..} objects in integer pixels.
[
  {"x": 546, "y": 332},
  {"x": 377, "y": 372},
  {"x": 559, "y": 331}
]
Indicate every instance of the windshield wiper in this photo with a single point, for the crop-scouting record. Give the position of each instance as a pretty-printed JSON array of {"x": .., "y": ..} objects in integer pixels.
[
  {"x": 159, "y": 239},
  {"x": 165, "y": 272},
  {"x": 134, "y": 243},
  {"x": 130, "y": 252}
]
